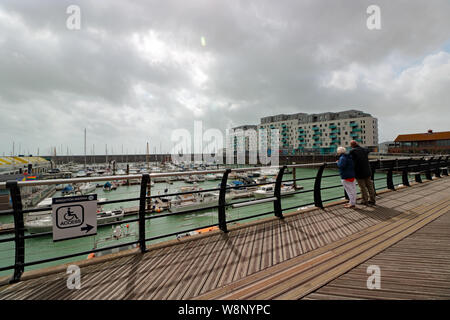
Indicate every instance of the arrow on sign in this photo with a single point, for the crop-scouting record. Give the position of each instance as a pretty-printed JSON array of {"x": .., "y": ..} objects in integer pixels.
[{"x": 88, "y": 228}]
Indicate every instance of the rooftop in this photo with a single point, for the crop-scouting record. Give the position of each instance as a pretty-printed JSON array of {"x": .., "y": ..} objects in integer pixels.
[{"x": 430, "y": 135}]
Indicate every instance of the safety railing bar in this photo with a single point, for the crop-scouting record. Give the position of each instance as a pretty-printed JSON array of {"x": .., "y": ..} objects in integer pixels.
[
  {"x": 117, "y": 201},
  {"x": 179, "y": 212},
  {"x": 282, "y": 195},
  {"x": 49, "y": 208},
  {"x": 79, "y": 254},
  {"x": 302, "y": 191},
  {"x": 332, "y": 187},
  {"x": 331, "y": 175},
  {"x": 7, "y": 268},
  {"x": 253, "y": 202},
  {"x": 6, "y": 212},
  {"x": 299, "y": 179},
  {"x": 7, "y": 239},
  {"x": 333, "y": 199}
]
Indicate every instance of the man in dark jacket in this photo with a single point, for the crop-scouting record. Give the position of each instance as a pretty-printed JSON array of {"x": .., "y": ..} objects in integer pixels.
[{"x": 363, "y": 173}]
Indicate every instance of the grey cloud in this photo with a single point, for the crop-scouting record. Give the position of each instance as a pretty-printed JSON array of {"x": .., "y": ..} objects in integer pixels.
[{"x": 260, "y": 58}]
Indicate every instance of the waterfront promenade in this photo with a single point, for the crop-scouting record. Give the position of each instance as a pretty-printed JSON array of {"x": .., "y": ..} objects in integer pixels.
[{"x": 312, "y": 254}]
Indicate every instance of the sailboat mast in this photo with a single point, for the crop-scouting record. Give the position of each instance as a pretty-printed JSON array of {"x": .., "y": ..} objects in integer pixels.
[{"x": 84, "y": 148}]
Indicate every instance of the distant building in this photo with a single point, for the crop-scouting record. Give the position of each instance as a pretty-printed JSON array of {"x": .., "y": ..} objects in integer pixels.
[
  {"x": 21, "y": 164},
  {"x": 430, "y": 142},
  {"x": 323, "y": 132},
  {"x": 242, "y": 138},
  {"x": 384, "y": 146}
]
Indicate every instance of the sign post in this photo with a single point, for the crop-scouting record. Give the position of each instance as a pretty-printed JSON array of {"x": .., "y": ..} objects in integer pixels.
[{"x": 74, "y": 217}]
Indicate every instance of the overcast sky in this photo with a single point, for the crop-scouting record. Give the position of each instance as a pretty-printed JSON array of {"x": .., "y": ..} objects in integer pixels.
[{"x": 137, "y": 70}]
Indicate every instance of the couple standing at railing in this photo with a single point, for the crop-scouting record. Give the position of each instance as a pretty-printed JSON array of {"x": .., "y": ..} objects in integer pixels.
[{"x": 355, "y": 166}]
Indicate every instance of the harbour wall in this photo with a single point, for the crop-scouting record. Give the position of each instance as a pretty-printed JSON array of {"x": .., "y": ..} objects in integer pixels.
[{"x": 103, "y": 159}]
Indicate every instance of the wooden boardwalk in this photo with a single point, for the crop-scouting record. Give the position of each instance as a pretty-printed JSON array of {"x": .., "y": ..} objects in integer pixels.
[
  {"x": 417, "y": 267},
  {"x": 292, "y": 258}
]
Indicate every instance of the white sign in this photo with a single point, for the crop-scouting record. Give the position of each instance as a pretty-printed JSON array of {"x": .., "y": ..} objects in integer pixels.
[{"x": 74, "y": 217}]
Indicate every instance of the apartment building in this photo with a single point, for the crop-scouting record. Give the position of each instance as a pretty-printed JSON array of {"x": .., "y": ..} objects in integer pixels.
[
  {"x": 322, "y": 132},
  {"x": 243, "y": 138}
]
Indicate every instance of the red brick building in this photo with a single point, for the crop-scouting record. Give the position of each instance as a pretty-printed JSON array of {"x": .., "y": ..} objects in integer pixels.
[{"x": 430, "y": 142}]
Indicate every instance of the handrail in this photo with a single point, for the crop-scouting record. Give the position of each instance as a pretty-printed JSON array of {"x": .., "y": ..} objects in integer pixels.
[{"x": 411, "y": 165}]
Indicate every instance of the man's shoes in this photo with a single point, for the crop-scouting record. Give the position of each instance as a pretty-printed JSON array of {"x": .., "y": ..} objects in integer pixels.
[
  {"x": 372, "y": 203},
  {"x": 364, "y": 203}
]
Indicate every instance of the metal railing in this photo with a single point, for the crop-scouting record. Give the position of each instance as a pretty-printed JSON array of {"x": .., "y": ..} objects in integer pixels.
[{"x": 393, "y": 168}]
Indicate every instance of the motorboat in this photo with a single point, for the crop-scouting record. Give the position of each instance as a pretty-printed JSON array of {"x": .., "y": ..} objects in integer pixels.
[
  {"x": 108, "y": 186},
  {"x": 81, "y": 174},
  {"x": 269, "y": 172},
  {"x": 190, "y": 179},
  {"x": 192, "y": 201},
  {"x": 86, "y": 188},
  {"x": 109, "y": 216},
  {"x": 200, "y": 178},
  {"x": 39, "y": 225},
  {"x": 268, "y": 191},
  {"x": 210, "y": 177},
  {"x": 68, "y": 189}
]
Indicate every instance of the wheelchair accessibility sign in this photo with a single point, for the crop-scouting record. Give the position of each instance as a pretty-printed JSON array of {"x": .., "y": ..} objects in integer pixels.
[{"x": 74, "y": 217}]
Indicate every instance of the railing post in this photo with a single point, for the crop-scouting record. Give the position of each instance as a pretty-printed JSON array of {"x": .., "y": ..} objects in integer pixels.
[
  {"x": 405, "y": 179},
  {"x": 428, "y": 170},
  {"x": 18, "y": 230},
  {"x": 373, "y": 168},
  {"x": 437, "y": 170},
  {"x": 277, "y": 194},
  {"x": 317, "y": 187},
  {"x": 418, "y": 176},
  {"x": 222, "y": 202},
  {"x": 389, "y": 178},
  {"x": 142, "y": 201},
  {"x": 445, "y": 167}
]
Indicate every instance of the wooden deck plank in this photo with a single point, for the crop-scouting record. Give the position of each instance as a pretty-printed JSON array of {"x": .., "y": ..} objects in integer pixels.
[
  {"x": 172, "y": 270},
  {"x": 255, "y": 263},
  {"x": 185, "y": 269},
  {"x": 235, "y": 256},
  {"x": 195, "y": 273},
  {"x": 246, "y": 253},
  {"x": 208, "y": 268}
]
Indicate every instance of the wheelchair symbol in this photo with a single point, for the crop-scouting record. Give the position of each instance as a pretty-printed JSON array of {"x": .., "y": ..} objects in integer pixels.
[{"x": 69, "y": 216}]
